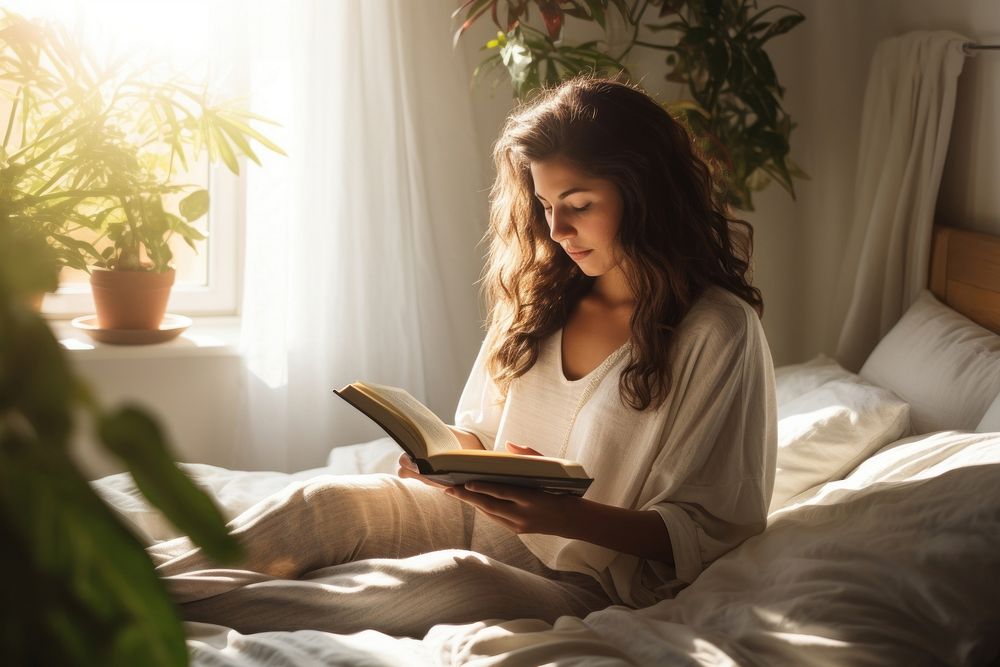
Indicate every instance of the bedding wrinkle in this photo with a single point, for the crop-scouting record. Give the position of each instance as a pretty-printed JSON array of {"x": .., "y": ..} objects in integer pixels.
[{"x": 884, "y": 567}]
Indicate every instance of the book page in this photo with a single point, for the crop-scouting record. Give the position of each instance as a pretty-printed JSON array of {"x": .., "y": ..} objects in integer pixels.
[
  {"x": 435, "y": 432},
  {"x": 479, "y": 461},
  {"x": 386, "y": 415}
]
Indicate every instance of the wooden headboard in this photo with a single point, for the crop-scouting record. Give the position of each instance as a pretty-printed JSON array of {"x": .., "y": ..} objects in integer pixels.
[{"x": 965, "y": 274}]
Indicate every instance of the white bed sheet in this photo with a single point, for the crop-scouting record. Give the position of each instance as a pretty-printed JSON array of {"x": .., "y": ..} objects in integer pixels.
[{"x": 895, "y": 564}]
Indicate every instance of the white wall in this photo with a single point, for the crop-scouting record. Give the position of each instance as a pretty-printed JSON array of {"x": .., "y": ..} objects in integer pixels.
[
  {"x": 193, "y": 398},
  {"x": 823, "y": 65}
]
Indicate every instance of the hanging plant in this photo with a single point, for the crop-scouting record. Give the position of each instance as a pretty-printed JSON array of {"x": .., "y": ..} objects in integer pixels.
[{"x": 714, "y": 47}]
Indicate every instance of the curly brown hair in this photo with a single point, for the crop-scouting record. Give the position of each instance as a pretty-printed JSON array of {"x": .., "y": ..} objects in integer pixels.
[{"x": 676, "y": 236}]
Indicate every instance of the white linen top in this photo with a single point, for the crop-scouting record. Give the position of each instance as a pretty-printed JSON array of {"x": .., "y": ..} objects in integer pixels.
[{"x": 704, "y": 460}]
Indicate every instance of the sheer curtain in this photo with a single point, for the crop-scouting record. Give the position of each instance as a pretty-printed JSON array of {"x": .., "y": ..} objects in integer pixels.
[
  {"x": 905, "y": 128},
  {"x": 363, "y": 245}
]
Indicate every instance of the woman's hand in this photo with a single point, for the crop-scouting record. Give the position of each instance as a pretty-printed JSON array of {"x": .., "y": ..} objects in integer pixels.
[
  {"x": 466, "y": 440},
  {"x": 640, "y": 533},
  {"x": 521, "y": 510},
  {"x": 518, "y": 449},
  {"x": 407, "y": 468}
]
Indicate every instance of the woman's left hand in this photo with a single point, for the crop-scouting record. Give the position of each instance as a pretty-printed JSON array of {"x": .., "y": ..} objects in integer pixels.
[
  {"x": 523, "y": 451},
  {"x": 522, "y": 510}
]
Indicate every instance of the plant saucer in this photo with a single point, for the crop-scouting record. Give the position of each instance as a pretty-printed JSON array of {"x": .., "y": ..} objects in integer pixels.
[{"x": 171, "y": 327}]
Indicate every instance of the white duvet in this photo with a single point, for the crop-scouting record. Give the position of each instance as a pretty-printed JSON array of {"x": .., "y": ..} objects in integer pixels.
[{"x": 897, "y": 564}]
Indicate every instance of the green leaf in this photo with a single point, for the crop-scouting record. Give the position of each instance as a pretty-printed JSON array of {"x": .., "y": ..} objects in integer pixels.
[
  {"x": 27, "y": 264},
  {"x": 77, "y": 245},
  {"x": 116, "y": 232},
  {"x": 477, "y": 9},
  {"x": 763, "y": 69},
  {"x": 92, "y": 595},
  {"x": 138, "y": 440},
  {"x": 487, "y": 66},
  {"x": 154, "y": 224},
  {"x": 758, "y": 180},
  {"x": 187, "y": 232},
  {"x": 777, "y": 168},
  {"x": 622, "y": 7},
  {"x": 696, "y": 37},
  {"x": 755, "y": 20},
  {"x": 713, "y": 8},
  {"x": 232, "y": 118},
  {"x": 195, "y": 205},
  {"x": 518, "y": 59},
  {"x": 717, "y": 57},
  {"x": 596, "y": 9},
  {"x": 167, "y": 105},
  {"x": 237, "y": 138},
  {"x": 225, "y": 150},
  {"x": 36, "y": 380},
  {"x": 673, "y": 25},
  {"x": 781, "y": 26}
]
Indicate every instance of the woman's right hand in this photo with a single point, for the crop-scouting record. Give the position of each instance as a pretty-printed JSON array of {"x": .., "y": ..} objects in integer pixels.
[{"x": 407, "y": 468}]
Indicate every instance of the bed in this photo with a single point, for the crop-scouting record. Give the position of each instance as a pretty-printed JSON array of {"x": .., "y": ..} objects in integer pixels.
[{"x": 883, "y": 539}]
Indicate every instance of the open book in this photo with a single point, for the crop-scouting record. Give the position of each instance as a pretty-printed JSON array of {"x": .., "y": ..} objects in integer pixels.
[{"x": 440, "y": 457}]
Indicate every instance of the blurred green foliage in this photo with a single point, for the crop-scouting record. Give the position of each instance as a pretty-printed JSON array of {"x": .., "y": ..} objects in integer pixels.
[{"x": 80, "y": 588}]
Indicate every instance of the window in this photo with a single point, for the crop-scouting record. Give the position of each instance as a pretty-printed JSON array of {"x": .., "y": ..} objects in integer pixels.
[
  {"x": 207, "y": 281},
  {"x": 203, "y": 40}
]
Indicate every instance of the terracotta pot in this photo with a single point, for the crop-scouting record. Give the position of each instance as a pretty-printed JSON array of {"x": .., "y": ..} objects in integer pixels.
[{"x": 130, "y": 299}]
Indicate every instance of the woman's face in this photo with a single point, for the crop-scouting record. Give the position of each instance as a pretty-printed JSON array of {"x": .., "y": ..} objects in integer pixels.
[{"x": 583, "y": 213}]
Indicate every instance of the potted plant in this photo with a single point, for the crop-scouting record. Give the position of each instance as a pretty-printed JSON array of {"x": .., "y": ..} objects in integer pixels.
[
  {"x": 83, "y": 590},
  {"x": 96, "y": 163},
  {"x": 715, "y": 47}
]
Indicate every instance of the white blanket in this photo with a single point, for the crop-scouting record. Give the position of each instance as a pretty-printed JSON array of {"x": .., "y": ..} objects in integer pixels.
[{"x": 896, "y": 564}]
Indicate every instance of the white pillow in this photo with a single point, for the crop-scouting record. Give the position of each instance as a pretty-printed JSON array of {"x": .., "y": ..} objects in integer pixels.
[
  {"x": 827, "y": 431},
  {"x": 941, "y": 363},
  {"x": 377, "y": 456},
  {"x": 793, "y": 380},
  {"x": 991, "y": 420}
]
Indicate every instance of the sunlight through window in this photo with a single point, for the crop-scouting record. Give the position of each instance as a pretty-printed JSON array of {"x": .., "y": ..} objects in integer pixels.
[{"x": 197, "y": 42}]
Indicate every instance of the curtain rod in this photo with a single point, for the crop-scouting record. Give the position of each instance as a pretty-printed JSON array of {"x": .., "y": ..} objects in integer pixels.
[{"x": 972, "y": 46}]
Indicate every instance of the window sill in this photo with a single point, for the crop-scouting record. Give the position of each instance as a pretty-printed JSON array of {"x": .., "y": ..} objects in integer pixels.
[{"x": 207, "y": 336}]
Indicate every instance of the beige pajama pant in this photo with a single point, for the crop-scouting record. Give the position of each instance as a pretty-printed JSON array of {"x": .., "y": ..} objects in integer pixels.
[{"x": 344, "y": 553}]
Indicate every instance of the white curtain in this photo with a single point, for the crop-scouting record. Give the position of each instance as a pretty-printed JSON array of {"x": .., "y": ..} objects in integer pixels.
[
  {"x": 905, "y": 128},
  {"x": 363, "y": 246}
]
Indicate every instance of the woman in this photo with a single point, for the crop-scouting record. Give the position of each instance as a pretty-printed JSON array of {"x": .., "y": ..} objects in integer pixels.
[{"x": 623, "y": 333}]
